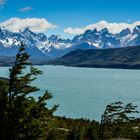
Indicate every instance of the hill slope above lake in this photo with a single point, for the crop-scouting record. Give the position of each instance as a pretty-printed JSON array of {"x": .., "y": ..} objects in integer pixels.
[{"x": 128, "y": 57}]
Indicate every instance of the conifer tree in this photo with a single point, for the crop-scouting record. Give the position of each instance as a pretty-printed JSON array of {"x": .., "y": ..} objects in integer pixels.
[
  {"x": 21, "y": 115},
  {"x": 116, "y": 113}
]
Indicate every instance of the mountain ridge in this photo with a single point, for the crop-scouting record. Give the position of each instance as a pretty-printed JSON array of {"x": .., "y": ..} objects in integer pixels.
[
  {"x": 123, "y": 58},
  {"x": 39, "y": 46}
]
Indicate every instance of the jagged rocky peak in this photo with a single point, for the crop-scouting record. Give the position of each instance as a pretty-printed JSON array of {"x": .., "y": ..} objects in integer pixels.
[
  {"x": 28, "y": 32},
  {"x": 88, "y": 32},
  {"x": 91, "y": 32},
  {"x": 124, "y": 32},
  {"x": 136, "y": 30},
  {"x": 41, "y": 37},
  {"x": 104, "y": 32},
  {"x": 55, "y": 38},
  {"x": 58, "y": 39},
  {"x": 88, "y": 35}
]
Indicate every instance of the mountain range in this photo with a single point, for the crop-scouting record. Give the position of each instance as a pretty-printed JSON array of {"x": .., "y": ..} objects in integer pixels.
[{"x": 39, "y": 46}]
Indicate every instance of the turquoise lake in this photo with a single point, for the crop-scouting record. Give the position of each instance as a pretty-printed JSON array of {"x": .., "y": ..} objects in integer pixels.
[{"x": 84, "y": 92}]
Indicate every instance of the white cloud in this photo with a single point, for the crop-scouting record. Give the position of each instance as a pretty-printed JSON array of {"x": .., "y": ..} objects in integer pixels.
[
  {"x": 34, "y": 24},
  {"x": 2, "y": 2},
  {"x": 112, "y": 27},
  {"x": 25, "y": 9}
]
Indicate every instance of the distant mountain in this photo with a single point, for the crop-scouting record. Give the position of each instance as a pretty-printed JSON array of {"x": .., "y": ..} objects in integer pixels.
[
  {"x": 38, "y": 45},
  {"x": 128, "y": 57},
  {"x": 41, "y": 47},
  {"x": 105, "y": 39}
]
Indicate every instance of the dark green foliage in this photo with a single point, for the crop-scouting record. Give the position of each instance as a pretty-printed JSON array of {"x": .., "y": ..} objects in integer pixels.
[
  {"x": 78, "y": 129},
  {"x": 89, "y": 134},
  {"x": 115, "y": 116},
  {"x": 73, "y": 135},
  {"x": 23, "y": 117}
]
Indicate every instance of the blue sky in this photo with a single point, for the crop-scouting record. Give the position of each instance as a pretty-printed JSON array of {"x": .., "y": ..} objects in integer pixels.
[{"x": 72, "y": 13}]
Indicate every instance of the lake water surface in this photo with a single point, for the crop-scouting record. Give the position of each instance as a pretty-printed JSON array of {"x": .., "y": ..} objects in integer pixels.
[{"x": 84, "y": 92}]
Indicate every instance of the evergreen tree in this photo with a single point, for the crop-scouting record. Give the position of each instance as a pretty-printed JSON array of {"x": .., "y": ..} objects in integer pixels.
[
  {"x": 116, "y": 113},
  {"x": 21, "y": 116}
]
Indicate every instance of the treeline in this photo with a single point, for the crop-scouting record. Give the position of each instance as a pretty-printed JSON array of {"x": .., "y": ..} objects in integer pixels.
[
  {"x": 23, "y": 117},
  {"x": 82, "y": 129}
]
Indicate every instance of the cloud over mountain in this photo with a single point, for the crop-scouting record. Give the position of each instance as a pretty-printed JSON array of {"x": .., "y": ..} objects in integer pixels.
[
  {"x": 112, "y": 27},
  {"x": 34, "y": 24}
]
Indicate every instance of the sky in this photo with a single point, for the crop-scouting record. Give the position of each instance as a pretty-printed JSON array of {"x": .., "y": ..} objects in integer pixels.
[{"x": 62, "y": 16}]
